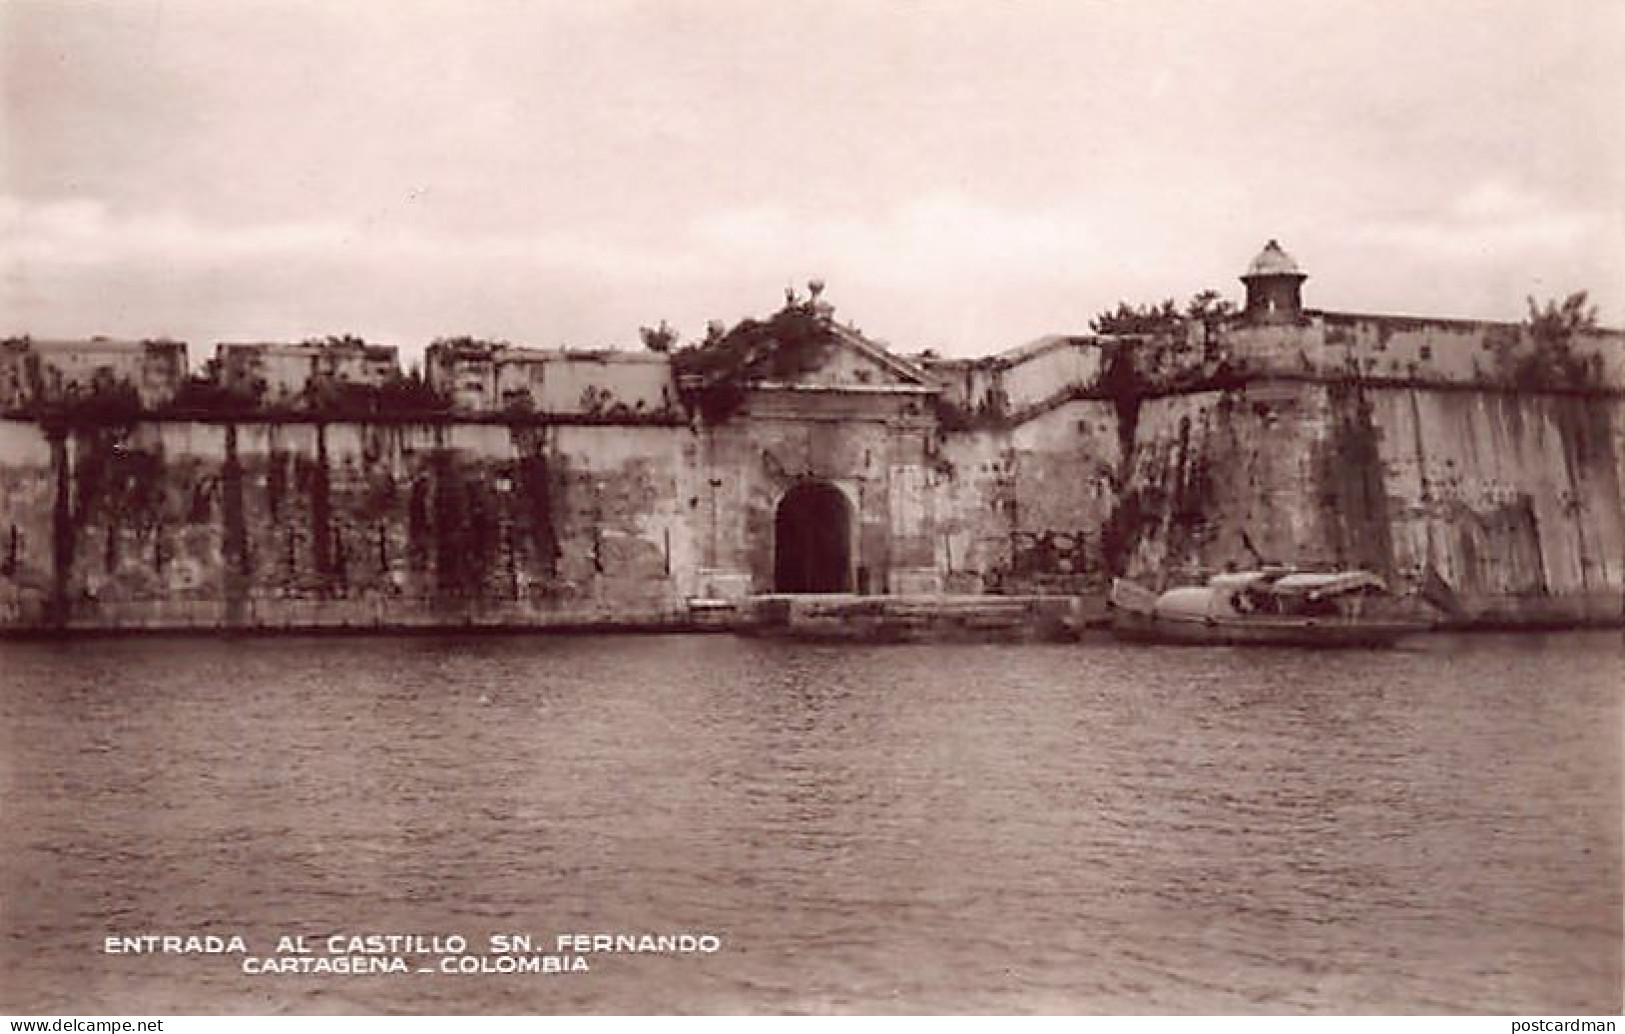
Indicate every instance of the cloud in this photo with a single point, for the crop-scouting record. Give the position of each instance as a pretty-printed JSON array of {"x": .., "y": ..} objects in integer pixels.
[
  {"x": 1490, "y": 217},
  {"x": 921, "y": 241},
  {"x": 83, "y": 232},
  {"x": 947, "y": 268},
  {"x": 914, "y": 247},
  {"x": 962, "y": 176}
]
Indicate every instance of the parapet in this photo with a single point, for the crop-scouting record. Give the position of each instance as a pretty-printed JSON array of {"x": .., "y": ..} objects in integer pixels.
[
  {"x": 287, "y": 374},
  {"x": 142, "y": 374},
  {"x": 495, "y": 377},
  {"x": 1433, "y": 351},
  {"x": 1026, "y": 378}
]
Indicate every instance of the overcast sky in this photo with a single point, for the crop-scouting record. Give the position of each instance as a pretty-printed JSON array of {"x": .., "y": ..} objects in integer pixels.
[{"x": 966, "y": 176}]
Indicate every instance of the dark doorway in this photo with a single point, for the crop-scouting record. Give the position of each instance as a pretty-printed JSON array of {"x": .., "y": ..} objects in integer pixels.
[{"x": 812, "y": 540}]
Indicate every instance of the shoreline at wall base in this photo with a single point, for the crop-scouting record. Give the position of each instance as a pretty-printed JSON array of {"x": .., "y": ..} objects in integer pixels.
[
  {"x": 585, "y": 627},
  {"x": 924, "y": 618},
  {"x": 1531, "y": 624},
  {"x": 838, "y": 618}
]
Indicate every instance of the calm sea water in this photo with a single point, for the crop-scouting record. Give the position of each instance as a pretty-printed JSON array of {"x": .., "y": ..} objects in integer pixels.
[{"x": 955, "y": 828}]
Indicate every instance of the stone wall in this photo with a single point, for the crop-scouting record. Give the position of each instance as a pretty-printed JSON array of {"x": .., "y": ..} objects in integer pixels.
[
  {"x": 55, "y": 372},
  {"x": 1514, "y": 500},
  {"x": 1021, "y": 508},
  {"x": 1383, "y": 442},
  {"x": 874, "y": 449},
  {"x": 1019, "y": 382},
  {"x": 163, "y": 523},
  {"x": 496, "y": 378},
  {"x": 1411, "y": 350}
]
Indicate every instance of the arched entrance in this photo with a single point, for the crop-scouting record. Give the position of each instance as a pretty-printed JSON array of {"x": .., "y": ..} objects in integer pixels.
[{"x": 812, "y": 540}]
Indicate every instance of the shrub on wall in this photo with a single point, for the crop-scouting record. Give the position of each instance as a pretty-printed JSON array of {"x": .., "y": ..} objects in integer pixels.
[
  {"x": 793, "y": 341},
  {"x": 1552, "y": 361}
]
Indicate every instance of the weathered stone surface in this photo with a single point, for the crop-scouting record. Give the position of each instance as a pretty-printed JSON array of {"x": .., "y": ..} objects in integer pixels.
[
  {"x": 330, "y": 524},
  {"x": 1513, "y": 499},
  {"x": 1396, "y": 444}
]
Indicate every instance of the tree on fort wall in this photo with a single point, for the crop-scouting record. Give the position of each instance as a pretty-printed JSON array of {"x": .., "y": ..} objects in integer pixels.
[
  {"x": 1163, "y": 347},
  {"x": 660, "y": 339},
  {"x": 1207, "y": 308},
  {"x": 1552, "y": 360},
  {"x": 793, "y": 341}
]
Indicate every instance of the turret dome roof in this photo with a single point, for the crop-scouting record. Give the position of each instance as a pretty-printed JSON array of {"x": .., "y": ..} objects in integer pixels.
[{"x": 1272, "y": 261}]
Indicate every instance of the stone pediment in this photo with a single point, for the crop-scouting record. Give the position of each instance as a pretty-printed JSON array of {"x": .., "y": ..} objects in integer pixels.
[
  {"x": 849, "y": 360},
  {"x": 801, "y": 346}
]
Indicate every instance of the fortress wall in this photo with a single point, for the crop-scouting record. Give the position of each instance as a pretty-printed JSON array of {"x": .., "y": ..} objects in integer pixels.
[
  {"x": 1066, "y": 462},
  {"x": 1464, "y": 353},
  {"x": 1456, "y": 354},
  {"x": 964, "y": 383},
  {"x": 1515, "y": 500},
  {"x": 28, "y": 493},
  {"x": 1415, "y": 349},
  {"x": 1206, "y": 467},
  {"x": 877, "y": 456},
  {"x": 493, "y": 378},
  {"x": 1020, "y": 378},
  {"x": 625, "y": 531},
  {"x": 641, "y": 382},
  {"x": 1033, "y": 379},
  {"x": 1294, "y": 349},
  {"x": 1453, "y": 351},
  {"x": 53, "y": 371},
  {"x": 975, "y": 501},
  {"x": 255, "y": 524},
  {"x": 1020, "y": 509}
]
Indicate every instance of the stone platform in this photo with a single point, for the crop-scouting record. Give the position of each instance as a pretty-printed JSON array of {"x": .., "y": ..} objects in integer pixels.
[{"x": 922, "y": 618}]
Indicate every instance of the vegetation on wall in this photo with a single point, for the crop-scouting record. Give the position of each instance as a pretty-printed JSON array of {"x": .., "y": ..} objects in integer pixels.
[
  {"x": 466, "y": 531},
  {"x": 1350, "y": 472},
  {"x": 991, "y": 413},
  {"x": 203, "y": 395},
  {"x": 1552, "y": 362},
  {"x": 660, "y": 339},
  {"x": 1206, "y": 308},
  {"x": 103, "y": 483},
  {"x": 793, "y": 341},
  {"x": 105, "y": 402},
  {"x": 534, "y": 484},
  {"x": 1136, "y": 511},
  {"x": 406, "y": 395},
  {"x": 1162, "y": 348},
  {"x": 1180, "y": 502}
]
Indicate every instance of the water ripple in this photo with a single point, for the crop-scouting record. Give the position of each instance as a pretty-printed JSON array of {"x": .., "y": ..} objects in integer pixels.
[{"x": 975, "y": 828}]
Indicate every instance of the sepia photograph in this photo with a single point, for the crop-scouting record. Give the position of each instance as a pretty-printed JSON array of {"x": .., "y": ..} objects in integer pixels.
[{"x": 710, "y": 507}]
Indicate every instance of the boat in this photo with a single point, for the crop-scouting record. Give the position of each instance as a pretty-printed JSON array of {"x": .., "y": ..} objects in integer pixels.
[{"x": 1268, "y": 607}]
